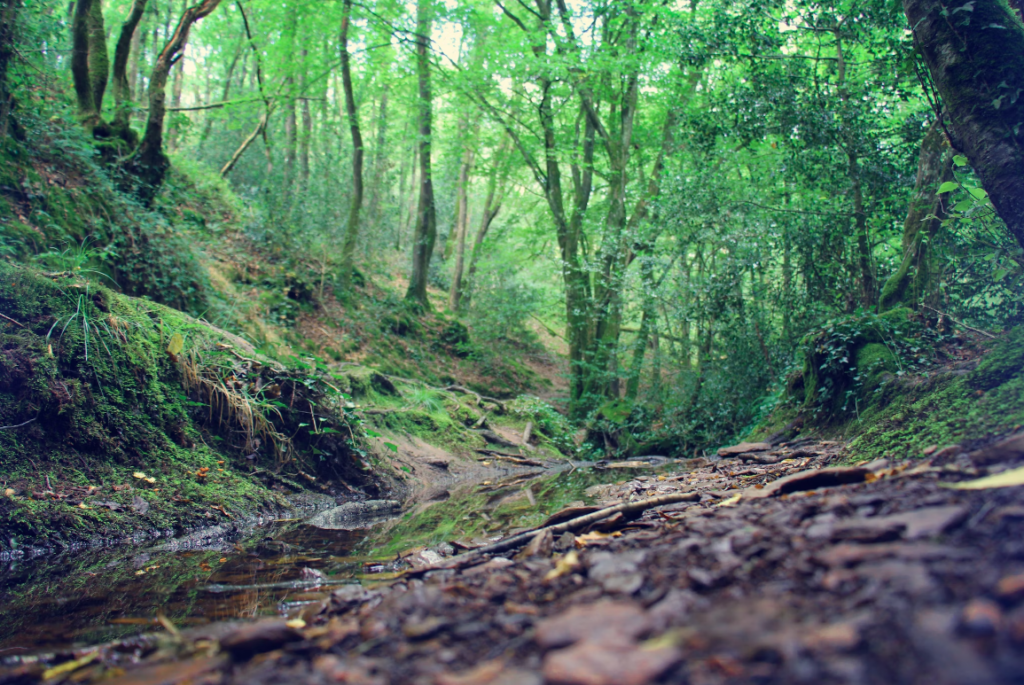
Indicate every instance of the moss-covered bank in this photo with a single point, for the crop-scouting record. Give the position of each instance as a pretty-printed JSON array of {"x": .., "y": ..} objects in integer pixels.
[{"x": 120, "y": 414}]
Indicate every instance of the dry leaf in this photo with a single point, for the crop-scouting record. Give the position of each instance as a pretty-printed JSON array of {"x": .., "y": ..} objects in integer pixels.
[
  {"x": 296, "y": 623},
  {"x": 582, "y": 540},
  {"x": 9, "y": 492},
  {"x": 731, "y": 502},
  {"x": 176, "y": 345},
  {"x": 565, "y": 564},
  {"x": 1006, "y": 479}
]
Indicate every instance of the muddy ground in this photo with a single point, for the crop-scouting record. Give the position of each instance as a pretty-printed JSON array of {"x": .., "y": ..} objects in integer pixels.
[{"x": 787, "y": 569}]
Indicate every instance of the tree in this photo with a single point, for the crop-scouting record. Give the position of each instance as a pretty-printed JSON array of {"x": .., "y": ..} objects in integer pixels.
[
  {"x": 348, "y": 250},
  {"x": 149, "y": 163},
  {"x": 8, "y": 19},
  {"x": 426, "y": 217},
  {"x": 975, "y": 54}
]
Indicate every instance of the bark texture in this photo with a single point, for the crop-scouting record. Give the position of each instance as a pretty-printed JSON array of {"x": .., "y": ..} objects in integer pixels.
[
  {"x": 122, "y": 81},
  {"x": 913, "y": 280},
  {"x": 149, "y": 164},
  {"x": 976, "y": 59},
  {"x": 8, "y": 18},
  {"x": 426, "y": 217},
  {"x": 348, "y": 250}
]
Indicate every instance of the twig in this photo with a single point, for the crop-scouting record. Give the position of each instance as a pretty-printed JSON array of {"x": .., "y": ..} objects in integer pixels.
[
  {"x": 7, "y": 318},
  {"x": 580, "y": 522},
  {"x": 19, "y": 425},
  {"x": 509, "y": 457},
  {"x": 960, "y": 323}
]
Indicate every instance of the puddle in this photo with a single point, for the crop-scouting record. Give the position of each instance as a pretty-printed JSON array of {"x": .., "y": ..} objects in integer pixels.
[{"x": 55, "y": 603}]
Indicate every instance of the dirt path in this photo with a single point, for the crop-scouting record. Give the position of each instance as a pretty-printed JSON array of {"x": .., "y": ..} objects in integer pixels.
[{"x": 784, "y": 572}]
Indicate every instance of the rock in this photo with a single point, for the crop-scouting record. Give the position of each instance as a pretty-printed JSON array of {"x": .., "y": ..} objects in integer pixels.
[
  {"x": 980, "y": 618},
  {"x": 1007, "y": 449},
  {"x": 139, "y": 505},
  {"x": 744, "y": 447},
  {"x": 592, "y": 663},
  {"x": 604, "y": 621},
  {"x": 259, "y": 637},
  {"x": 810, "y": 480},
  {"x": 355, "y": 514}
]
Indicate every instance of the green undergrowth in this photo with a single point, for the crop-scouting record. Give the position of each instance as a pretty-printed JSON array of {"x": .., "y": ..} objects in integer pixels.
[
  {"x": 175, "y": 422},
  {"x": 947, "y": 408},
  {"x": 910, "y": 392}
]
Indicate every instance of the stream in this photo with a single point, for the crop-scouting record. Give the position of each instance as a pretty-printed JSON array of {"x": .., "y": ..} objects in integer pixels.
[{"x": 270, "y": 567}]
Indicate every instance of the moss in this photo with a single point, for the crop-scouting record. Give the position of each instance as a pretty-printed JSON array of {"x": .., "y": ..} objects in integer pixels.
[
  {"x": 1004, "y": 362},
  {"x": 89, "y": 374}
]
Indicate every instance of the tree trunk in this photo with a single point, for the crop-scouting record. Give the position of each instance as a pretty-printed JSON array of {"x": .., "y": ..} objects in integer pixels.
[
  {"x": 226, "y": 90},
  {"x": 426, "y": 219},
  {"x": 8, "y": 26},
  {"x": 149, "y": 163},
  {"x": 455, "y": 293},
  {"x": 492, "y": 205},
  {"x": 976, "y": 60},
  {"x": 88, "y": 114},
  {"x": 380, "y": 163},
  {"x": 123, "y": 55},
  {"x": 646, "y": 322},
  {"x": 99, "y": 61},
  {"x": 912, "y": 280},
  {"x": 306, "y": 136},
  {"x": 352, "y": 229}
]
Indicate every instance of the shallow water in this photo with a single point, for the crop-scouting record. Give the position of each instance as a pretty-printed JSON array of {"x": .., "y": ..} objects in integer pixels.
[{"x": 54, "y": 603}]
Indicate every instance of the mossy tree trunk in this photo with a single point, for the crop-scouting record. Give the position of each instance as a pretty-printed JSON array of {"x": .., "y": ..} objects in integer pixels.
[
  {"x": 88, "y": 111},
  {"x": 8, "y": 17},
  {"x": 348, "y": 250},
  {"x": 975, "y": 54},
  {"x": 426, "y": 217},
  {"x": 122, "y": 81},
  {"x": 149, "y": 164},
  {"x": 913, "y": 281}
]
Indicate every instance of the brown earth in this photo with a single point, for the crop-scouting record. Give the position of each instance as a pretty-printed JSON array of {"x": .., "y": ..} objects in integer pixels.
[{"x": 879, "y": 574}]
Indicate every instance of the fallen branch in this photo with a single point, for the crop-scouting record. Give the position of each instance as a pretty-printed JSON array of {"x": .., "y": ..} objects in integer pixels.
[
  {"x": 19, "y": 425},
  {"x": 580, "y": 522},
  {"x": 479, "y": 398},
  {"x": 960, "y": 323},
  {"x": 511, "y": 458},
  {"x": 7, "y": 318}
]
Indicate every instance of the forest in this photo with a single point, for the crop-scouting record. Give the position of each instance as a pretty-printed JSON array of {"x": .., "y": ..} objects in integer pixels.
[{"x": 471, "y": 276}]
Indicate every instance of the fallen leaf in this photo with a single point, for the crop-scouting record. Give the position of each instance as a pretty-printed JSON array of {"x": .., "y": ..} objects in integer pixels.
[
  {"x": 69, "y": 666},
  {"x": 9, "y": 492},
  {"x": 731, "y": 502},
  {"x": 1006, "y": 479},
  {"x": 582, "y": 540},
  {"x": 142, "y": 476},
  {"x": 176, "y": 345},
  {"x": 565, "y": 564},
  {"x": 296, "y": 623}
]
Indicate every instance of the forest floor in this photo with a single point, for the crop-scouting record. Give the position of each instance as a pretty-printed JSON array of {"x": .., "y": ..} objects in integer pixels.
[{"x": 786, "y": 566}]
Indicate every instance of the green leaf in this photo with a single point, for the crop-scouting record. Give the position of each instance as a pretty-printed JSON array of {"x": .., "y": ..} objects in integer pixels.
[
  {"x": 373, "y": 434},
  {"x": 391, "y": 446},
  {"x": 959, "y": 160},
  {"x": 978, "y": 193},
  {"x": 948, "y": 187},
  {"x": 963, "y": 205}
]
